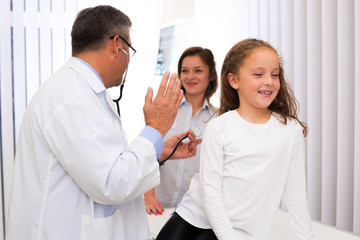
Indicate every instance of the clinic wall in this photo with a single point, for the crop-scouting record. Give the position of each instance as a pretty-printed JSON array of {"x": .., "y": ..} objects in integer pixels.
[
  {"x": 321, "y": 62},
  {"x": 200, "y": 23},
  {"x": 319, "y": 42},
  {"x": 34, "y": 42}
]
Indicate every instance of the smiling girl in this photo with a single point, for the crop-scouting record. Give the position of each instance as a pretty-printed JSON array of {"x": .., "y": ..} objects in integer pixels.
[{"x": 251, "y": 155}]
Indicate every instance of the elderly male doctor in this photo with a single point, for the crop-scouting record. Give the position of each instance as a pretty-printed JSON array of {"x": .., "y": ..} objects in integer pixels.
[{"x": 75, "y": 175}]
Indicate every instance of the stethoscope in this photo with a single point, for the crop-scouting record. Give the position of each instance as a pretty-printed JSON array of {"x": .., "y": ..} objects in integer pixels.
[
  {"x": 116, "y": 101},
  {"x": 196, "y": 129}
]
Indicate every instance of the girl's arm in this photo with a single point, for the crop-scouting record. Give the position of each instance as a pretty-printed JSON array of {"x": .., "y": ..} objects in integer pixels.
[
  {"x": 295, "y": 191},
  {"x": 211, "y": 181}
]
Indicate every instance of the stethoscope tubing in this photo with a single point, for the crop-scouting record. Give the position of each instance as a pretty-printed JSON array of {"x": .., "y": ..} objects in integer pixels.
[
  {"x": 173, "y": 151},
  {"x": 122, "y": 84}
]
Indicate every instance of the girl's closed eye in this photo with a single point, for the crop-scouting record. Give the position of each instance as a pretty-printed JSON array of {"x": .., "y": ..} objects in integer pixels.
[{"x": 258, "y": 74}]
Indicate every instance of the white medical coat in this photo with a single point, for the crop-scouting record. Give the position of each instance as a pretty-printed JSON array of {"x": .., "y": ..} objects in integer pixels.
[{"x": 72, "y": 152}]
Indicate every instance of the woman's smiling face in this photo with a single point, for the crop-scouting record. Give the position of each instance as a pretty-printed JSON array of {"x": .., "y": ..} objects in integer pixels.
[{"x": 194, "y": 76}]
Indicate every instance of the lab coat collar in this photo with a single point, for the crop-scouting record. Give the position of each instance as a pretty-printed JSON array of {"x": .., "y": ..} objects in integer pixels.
[
  {"x": 87, "y": 73},
  {"x": 92, "y": 78}
]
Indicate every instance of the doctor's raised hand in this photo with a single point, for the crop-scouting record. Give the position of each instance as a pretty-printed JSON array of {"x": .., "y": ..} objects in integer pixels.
[{"x": 160, "y": 114}]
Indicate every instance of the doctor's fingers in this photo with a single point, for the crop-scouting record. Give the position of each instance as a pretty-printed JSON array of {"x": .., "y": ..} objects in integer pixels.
[
  {"x": 172, "y": 86},
  {"x": 192, "y": 137},
  {"x": 177, "y": 94},
  {"x": 170, "y": 91},
  {"x": 193, "y": 141},
  {"x": 148, "y": 97},
  {"x": 192, "y": 148},
  {"x": 164, "y": 83}
]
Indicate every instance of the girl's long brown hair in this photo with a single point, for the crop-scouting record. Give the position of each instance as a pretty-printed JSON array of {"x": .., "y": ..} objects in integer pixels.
[{"x": 285, "y": 103}]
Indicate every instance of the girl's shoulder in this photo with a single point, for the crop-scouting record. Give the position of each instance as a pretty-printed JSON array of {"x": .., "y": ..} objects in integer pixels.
[
  {"x": 289, "y": 123},
  {"x": 287, "y": 120},
  {"x": 224, "y": 118},
  {"x": 227, "y": 115},
  {"x": 220, "y": 126}
]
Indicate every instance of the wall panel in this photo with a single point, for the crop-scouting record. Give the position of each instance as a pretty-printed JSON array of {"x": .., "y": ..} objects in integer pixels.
[
  {"x": 329, "y": 111},
  {"x": 345, "y": 130},
  {"x": 6, "y": 114},
  {"x": 356, "y": 224},
  {"x": 314, "y": 96},
  {"x": 320, "y": 45},
  {"x": 28, "y": 57}
]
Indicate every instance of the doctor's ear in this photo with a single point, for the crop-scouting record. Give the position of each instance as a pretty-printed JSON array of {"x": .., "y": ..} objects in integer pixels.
[
  {"x": 233, "y": 80},
  {"x": 115, "y": 43}
]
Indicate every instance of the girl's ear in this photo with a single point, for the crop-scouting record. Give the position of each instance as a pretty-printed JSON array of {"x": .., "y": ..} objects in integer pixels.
[{"x": 233, "y": 81}]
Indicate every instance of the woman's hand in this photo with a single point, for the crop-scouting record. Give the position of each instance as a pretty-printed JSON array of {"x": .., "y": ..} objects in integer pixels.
[{"x": 152, "y": 204}]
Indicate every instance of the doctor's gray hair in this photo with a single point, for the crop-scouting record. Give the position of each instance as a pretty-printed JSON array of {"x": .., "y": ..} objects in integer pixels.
[{"x": 94, "y": 26}]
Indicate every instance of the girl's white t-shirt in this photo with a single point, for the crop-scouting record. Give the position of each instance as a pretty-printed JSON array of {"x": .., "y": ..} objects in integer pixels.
[{"x": 245, "y": 169}]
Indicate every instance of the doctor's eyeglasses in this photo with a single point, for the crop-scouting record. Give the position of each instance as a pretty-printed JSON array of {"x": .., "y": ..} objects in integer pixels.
[{"x": 131, "y": 49}]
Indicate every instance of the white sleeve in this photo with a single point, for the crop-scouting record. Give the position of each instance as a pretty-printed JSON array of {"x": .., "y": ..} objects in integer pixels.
[
  {"x": 295, "y": 191},
  {"x": 211, "y": 181},
  {"x": 88, "y": 143}
]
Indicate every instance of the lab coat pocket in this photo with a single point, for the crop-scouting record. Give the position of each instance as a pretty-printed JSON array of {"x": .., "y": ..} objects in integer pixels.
[{"x": 102, "y": 228}]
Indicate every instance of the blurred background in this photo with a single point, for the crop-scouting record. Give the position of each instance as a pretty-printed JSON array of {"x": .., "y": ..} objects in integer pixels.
[{"x": 319, "y": 41}]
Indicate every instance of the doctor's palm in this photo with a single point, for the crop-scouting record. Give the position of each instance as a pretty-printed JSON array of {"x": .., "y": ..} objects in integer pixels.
[{"x": 160, "y": 113}]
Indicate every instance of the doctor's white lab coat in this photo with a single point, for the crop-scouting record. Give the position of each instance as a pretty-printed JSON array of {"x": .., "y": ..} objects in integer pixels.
[{"x": 75, "y": 175}]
